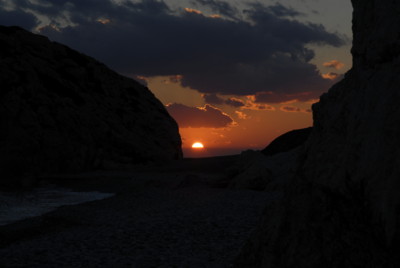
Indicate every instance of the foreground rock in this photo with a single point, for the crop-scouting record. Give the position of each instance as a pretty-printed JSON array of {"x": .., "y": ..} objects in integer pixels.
[
  {"x": 342, "y": 207},
  {"x": 270, "y": 168},
  {"x": 288, "y": 141},
  {"x": 255, "y": 171},
  {"x": 62, "y": 111}
]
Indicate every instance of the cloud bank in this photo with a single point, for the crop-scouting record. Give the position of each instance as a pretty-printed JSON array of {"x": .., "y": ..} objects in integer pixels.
[{"x": 260, "y": 49}]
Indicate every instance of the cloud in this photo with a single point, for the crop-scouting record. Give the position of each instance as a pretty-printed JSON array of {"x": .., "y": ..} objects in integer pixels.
[
  {"x": 234, "y": 102},
  {"x": 191, "y": 10},
  {"x": 217, "y": 100},
  {"x": 17, "y": 18},
  {"x": 212, "y": 99},
  {"x": 173, "y": 79},
  {"x": 277, "y": 9},
  {"x": 293, "y": 109},
  {"x": 239, "y": 53},
  {"x": 270, "y": 97},
  {"x": 290, "y": 109},
  {"x": 221, "y": 7},
  {"x": 196, "y": 117},
  {"x": 331, "y": 76},
  {"x": 334, "y": 64},
  {"x": 252, "y": 105},
  {"x": 242, "y": 115},
  {"x": 275, "y": 98},
  {"x": 259, "y": 107}
]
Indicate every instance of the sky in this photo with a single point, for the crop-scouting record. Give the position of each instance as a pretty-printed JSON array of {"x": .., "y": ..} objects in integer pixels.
[{"x": 234, "y": 74}]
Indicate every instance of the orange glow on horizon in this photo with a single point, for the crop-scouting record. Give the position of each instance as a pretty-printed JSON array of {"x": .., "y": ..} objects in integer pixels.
[{"x": 197, "y": 145}]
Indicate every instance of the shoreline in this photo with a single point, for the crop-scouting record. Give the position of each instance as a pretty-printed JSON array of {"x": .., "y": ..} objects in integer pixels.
[{"x": 157, "y": 218}]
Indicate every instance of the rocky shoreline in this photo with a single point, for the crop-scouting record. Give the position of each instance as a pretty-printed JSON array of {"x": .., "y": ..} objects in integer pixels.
[{"x": 174, "y": 217}]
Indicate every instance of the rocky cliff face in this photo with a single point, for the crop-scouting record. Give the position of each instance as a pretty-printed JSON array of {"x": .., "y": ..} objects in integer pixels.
[
  {"x": 61, "y": 111},
  {"x": 342, "y": 207}
]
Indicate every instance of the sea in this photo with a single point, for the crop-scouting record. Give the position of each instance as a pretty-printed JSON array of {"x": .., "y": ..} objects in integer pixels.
[{"x": 15, "y": 206}]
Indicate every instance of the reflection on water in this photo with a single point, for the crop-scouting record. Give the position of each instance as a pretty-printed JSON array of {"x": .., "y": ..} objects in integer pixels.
[{"x": 22, "y": 205}]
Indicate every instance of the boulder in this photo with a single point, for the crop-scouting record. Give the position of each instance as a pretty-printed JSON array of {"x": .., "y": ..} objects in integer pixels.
[
  {"x": 250, "y": 171},
  {"x": 288, "y": 141},
  {"x": 255, "y": 171},
  {"x": 62, "y": 111},
  {"x": 341, "y": 209}
]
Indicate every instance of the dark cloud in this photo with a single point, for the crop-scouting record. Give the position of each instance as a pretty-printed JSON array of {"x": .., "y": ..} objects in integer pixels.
[
  {"x": 216, "y": 100},
  {"x": 207, "y": 116},
  {"x": 270, "y": 97},
  {"x": 212, "y": 99},
  {"x": 17, "y": 18},
  {"x": 274, "y": 98},
  {"x": 290, "y": 109},
  {"x": 262, "y": 52},
  {"x": 277, "y": 9},
  {"x": 221, "y": 7},
  {"x": 234, "y": 102}
]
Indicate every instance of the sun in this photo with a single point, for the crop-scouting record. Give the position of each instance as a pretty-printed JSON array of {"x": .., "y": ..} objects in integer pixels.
[{"x": 197, "y": 145}]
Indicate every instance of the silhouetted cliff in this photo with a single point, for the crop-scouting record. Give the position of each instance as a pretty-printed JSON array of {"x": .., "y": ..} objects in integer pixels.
[
  {"x": 342, "y": 207},
  {"x": 62, "y": 111}
]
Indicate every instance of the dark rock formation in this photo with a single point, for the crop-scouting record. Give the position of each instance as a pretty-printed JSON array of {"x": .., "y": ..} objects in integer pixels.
[
  {"x": 255, "y": 171},
  {"x": 62, "y": 111},
  {"x": 288, "y": 141},
  {"x": 270, "y": 168},
  {"x": 342, "y": 207}
]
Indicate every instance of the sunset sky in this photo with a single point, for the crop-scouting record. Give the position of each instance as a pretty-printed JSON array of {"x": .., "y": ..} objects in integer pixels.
[{"x": 234, "y": 74}]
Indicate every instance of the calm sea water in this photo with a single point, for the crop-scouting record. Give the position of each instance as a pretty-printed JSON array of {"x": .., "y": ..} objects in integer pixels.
[{"x": 21, "y": 205}]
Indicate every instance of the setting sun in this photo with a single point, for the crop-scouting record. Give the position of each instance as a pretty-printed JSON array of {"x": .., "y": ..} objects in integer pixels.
[{"x": 197, "y": 145}]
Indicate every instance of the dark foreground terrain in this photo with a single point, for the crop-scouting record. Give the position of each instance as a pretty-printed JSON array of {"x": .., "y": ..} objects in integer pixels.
[{"x": 180, "y": 215}]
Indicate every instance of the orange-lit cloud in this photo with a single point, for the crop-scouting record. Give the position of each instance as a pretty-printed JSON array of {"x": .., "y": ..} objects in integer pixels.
[
  {"x": 252, "y": 105},
  {"x": 334, "y": 64},
  {"x": 174, "y": 79},
  {"x": 215, "y": 16},
  {"x": 293, "y": 109},
  {"x": 242, "y": 115},
  {"x": 234, "y": 102},
  {"x": 290, "y": 109},
  {"x": 197, "y": 117},
  {"x": 258, "y": 107},
  {"x": 191, "y": 10},
  {"x": 196, "y": 11},
  {"x": 104, "y": 21},
  {"x": 330, "y": 76}
]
